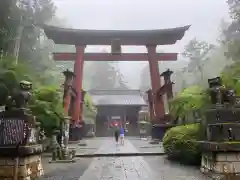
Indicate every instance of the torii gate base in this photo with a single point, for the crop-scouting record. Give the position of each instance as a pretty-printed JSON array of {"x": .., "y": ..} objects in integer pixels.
[{"x": 116, "y": 38}]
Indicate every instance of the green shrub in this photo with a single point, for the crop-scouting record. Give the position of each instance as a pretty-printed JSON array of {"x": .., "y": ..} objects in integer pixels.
[
  {"x": 4, "y": 93},
  {"x": 180, "y": 144},
  {"x": 46, "y": 105},
  {"x": 191, "y": 99},
  {"x": 9, "y": 78}
]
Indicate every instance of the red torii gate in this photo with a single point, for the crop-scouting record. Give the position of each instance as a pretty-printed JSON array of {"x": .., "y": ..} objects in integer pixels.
[{"x": 116, "y": 38}]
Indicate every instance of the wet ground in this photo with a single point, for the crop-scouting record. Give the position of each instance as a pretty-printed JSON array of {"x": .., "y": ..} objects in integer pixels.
[
  {"x": 120, "y": 168},
  {"x": 65, "y": 171}
]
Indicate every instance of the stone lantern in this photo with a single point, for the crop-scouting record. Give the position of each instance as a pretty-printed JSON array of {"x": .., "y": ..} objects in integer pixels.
[
  {"x": 221, "y": 139},
  {"x": 20, "y": 151},
  {"x": 168, "y": 83}
]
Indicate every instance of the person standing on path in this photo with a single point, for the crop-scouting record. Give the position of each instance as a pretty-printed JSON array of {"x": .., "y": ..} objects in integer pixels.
[
  {"x": 122, "y": 135},
  {"x": 116, "y": 132}
]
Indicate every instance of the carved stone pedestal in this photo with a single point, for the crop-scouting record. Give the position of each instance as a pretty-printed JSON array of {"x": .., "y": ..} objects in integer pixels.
[
  {"x": 221, "y": 163},
  {"x": 159, "y": 130},
  {"x": 29, "y": 167},
  {"x": 26, "y": 166}
]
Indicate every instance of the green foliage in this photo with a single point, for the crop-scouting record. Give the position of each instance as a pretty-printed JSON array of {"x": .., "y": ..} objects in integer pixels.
[
  {"x": 197, "y": 52},
  {"x": 21, "y": 70},
  {"x": 4, "y": 93},
  {"x": 9, "y": 78},
  {"x": 34, "y": 63},
  {"x": 34, "y": 50},
  {"x": 88, "y": 101},
  {"x": 46, "y": 105},
  {"x": 48, "y": 93},
  {"x": 180, "y": 144},
  {"x": 231, "y": 34},
  {"x": 9, "y": 20},
  {"x": 234, "y": 10},
  {"x": 192, "y": 98},
  {"x": 89, "y": 111},
  {"x": 231, "y": 77}
]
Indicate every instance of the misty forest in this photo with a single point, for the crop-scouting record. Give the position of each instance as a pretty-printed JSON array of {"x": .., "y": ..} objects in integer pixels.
[{"x": 26, "y": 54}]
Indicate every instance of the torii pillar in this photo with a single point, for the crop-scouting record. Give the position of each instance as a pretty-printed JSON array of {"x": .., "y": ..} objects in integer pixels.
[
  {"x": 157, "y": 103},
  {"x": 78, "y": 71},
  {"x": 77, "y": 121}
]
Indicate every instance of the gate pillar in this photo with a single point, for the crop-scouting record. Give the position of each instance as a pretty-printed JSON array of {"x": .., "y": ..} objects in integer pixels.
[
  {"x": 150, "y": 104},
  {"x": 78, "y": 71},
  {"x": 76, "y": 130},
  {"x": 157, "y": 103}
]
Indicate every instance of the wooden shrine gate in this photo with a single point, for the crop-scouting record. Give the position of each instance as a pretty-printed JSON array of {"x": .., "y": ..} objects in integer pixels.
[{"x": 116, "y": 38}]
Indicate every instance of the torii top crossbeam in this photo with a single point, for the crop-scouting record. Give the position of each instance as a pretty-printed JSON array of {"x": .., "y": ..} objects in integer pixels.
[{"x": 104, "y": 37}]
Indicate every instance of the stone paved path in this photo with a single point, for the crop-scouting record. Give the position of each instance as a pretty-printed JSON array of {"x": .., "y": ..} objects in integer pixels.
[
  {"x": 118, "y": 168},
  {"x": 65, "y": 171},
  {"x": 144, "y": 146},
  {"x": 109, "y": 146},
  {"x": 136, "y": 168},
  {"x": 121, "y": 168},
  {"x": 166, "y": 170},
  {"x": 132, "y": 145},
  {"x": 93, "y": 144}
]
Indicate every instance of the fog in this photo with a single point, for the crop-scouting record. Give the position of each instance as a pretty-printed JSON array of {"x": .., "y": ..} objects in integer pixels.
[{"x": 204, "y": 16}]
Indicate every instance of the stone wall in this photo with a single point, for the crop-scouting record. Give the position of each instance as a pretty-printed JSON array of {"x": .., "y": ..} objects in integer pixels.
[
  {"x": 222, "y": 163},
  {"x": 30, "y": 167}
]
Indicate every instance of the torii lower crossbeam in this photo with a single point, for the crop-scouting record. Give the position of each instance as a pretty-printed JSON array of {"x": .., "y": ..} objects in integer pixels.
[{"x": 115, "y": 57}]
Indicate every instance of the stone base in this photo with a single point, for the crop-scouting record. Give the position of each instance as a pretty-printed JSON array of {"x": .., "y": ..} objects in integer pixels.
[
  {"x": 154, "y": 142},
  {"x": 29, "y": 167},
  {"x": 221, "y": 163},
  {"x": 73, "y": 142},
  {"x": 82, "y": 143},
  {"x": 62, "y": 161},
  {"x": 75, "y": 134},
  {"x": 218, "y": 176},
  {"x": 159, "y": 130}
]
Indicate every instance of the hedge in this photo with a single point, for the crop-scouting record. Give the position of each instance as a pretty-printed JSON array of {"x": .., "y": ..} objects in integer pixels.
[{"x": 180, "y": 144}]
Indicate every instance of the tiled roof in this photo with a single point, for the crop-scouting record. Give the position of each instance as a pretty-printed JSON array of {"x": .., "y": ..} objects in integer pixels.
[{"x": 111, "y": 97}]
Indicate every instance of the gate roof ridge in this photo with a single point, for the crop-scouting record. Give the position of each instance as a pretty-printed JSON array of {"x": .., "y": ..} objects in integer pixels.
[{"x": 104, "y": 37}]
